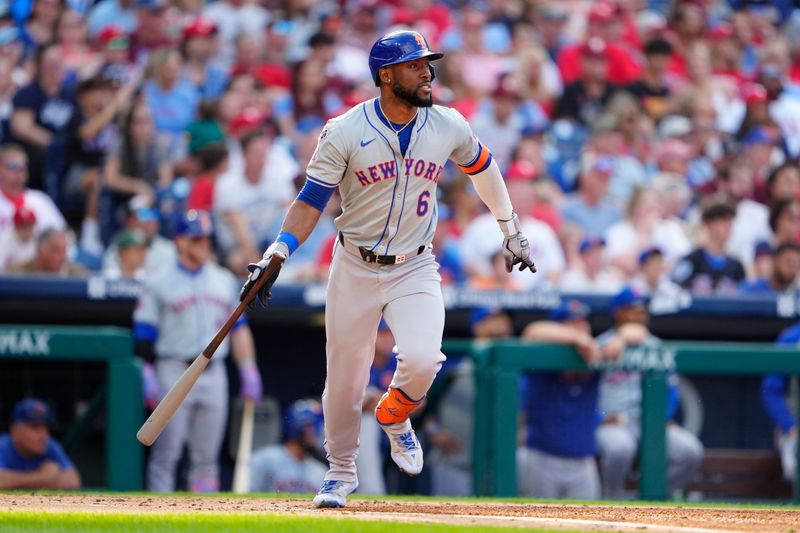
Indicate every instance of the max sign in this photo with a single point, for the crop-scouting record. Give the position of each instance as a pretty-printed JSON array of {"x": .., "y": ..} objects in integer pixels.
[
  {"x": 24, "y": 342},
  {"x": 643, "y": 358}
]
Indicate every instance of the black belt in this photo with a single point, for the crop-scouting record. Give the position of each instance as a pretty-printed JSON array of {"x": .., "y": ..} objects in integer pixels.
[{"x": 371, "y": 257}]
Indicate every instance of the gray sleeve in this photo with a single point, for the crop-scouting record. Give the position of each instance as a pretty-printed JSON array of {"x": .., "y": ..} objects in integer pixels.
[
  {"x": 329, "y": 161},
  {"x": 147, "y": 309},
  {"x": 467, "y": 150}
]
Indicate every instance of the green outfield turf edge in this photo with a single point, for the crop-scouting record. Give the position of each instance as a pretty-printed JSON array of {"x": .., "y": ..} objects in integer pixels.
[{"x": 57, "y": 522}]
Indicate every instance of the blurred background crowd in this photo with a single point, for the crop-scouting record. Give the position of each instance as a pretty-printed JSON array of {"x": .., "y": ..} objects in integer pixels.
[{"x": 651, "y": 143}]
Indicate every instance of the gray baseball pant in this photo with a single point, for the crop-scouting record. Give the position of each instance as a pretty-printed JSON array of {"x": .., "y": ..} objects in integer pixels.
[
  {"x": 542, "y": 475},
  {"x": 409, "y": 297},
  {"x": 617, "y": 445}
]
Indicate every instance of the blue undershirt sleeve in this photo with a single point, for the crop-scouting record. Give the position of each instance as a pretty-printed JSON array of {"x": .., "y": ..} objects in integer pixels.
[
  {"x": 143, "y": 331},
  {"x": 315, "y": 194},
  {"x": 239, "y": 323}
]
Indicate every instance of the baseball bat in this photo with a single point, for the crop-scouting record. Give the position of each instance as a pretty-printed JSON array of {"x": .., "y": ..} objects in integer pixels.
[
  {"x": 166, "y": 408},
  {"x": 241, "y": 472}
]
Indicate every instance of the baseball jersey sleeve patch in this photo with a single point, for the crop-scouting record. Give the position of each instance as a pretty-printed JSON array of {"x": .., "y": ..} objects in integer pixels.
[
  {"x": 480, "y": 163},
  {"x": 328, "y": 163}
]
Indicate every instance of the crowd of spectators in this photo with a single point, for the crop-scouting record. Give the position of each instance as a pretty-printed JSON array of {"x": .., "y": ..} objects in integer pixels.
[{"x": 646, "y": 143}]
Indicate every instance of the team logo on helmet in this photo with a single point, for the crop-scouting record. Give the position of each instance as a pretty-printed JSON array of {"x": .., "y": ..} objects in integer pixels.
[{"x": 420, "y": 39}]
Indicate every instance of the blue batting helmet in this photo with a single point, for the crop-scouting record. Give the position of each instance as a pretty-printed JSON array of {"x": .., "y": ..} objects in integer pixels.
[
  {"x": 194, "y": 224},
  {"x": 299, "y": 415},
  {"x": 399, "y": 47}
]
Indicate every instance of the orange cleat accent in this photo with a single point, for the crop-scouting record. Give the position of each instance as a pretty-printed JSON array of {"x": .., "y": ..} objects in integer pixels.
[{"x": 394, "y": 407}]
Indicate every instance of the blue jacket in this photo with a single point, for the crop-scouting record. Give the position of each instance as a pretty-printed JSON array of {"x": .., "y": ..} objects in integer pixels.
[{"x": 561, "y": 411}]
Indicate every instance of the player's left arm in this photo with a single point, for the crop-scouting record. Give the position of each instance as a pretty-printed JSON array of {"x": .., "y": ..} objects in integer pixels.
[{"x": 477, "y": 162}]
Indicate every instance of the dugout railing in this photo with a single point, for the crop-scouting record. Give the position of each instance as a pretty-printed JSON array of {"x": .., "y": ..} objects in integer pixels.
[
  {"x": 124, "y": 413},
  {"x": 499, "y": 364}
]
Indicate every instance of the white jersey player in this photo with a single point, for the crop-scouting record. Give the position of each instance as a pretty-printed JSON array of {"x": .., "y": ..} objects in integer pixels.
[{"x": 386, "y": 156}]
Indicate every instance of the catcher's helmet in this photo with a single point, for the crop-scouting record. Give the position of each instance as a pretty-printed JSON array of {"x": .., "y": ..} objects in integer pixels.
[
  {"x": 299, "y": 415},
  {"x": 399, "y": 47}
]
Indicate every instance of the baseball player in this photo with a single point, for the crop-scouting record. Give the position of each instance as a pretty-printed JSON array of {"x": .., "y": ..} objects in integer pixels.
[
  {"x": 178, "y": 312},
  {"x": 619, "y": 403},
  {"x": 386, "y": 156},
  {"x": 291, "y": 466}
]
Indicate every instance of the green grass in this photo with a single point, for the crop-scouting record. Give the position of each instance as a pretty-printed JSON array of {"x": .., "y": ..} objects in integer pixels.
[{"x": 44, "y": 522}]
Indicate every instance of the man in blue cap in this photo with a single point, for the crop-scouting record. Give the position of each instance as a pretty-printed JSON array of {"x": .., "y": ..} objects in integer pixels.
[
  {"x": 557, "y": 460},
  {"x": 29, "y": 457},
  {"x": 620, "y": 405},
  {"x": 179, "y": 311}
]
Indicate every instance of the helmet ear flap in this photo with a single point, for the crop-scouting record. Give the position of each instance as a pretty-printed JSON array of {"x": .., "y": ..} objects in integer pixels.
[{"x": 433, "y": 72}]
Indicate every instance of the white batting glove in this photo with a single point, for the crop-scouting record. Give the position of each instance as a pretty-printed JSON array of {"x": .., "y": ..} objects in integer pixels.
[{"x": 515, "y": 246}]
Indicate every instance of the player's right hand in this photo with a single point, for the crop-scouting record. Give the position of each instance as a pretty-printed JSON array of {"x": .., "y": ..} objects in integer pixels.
[{"x": 276, "y": 248}]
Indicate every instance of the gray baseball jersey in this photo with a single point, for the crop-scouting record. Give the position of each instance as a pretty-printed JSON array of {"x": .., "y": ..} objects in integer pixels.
[
  {"x": 187, "y": 308},
  {"x": 389, "y": 200}
]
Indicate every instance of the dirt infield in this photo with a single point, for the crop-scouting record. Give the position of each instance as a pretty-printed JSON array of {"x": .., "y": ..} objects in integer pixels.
[{"x": 582, "y": 517}]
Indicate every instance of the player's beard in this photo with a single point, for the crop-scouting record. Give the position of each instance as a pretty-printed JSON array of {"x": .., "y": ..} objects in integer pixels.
[{"x": 411, "y": 96}]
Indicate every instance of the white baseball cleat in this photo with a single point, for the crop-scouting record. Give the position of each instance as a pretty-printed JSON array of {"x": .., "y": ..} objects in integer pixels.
[
  {"x": 334, "y": 492},
  {"x": 406, "y": 450}
]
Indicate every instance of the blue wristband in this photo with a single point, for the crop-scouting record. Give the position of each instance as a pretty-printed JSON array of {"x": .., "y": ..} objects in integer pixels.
[{"x": 289, "y": 240}]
